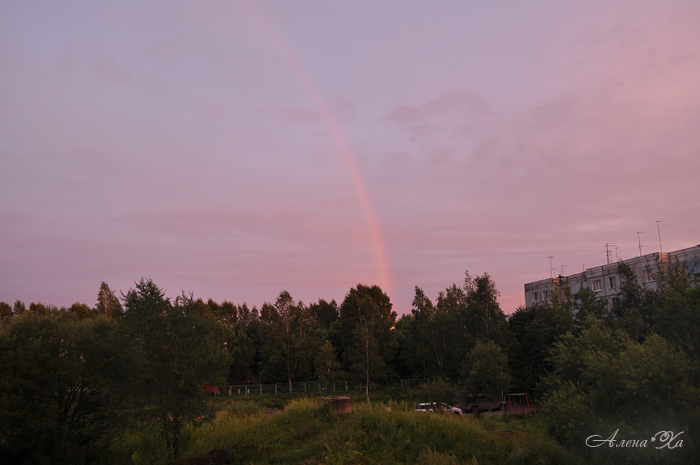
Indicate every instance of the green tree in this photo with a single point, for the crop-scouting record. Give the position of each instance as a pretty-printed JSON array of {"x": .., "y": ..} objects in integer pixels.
[
  {"x": 604, "y": 381},
  {"x": 241, "y": 351},
  {"x": 18, "y": 308},
  {"x": 437, "y": 333},
  {"x": 483, "y": 318},
  {"x": 5, "y": 313},
  {"x": 178, "y": 349},
  {"x": 325, "y": 313},
  {"x": 81, "y": 311},
  {"x": 367, "y": 316},
  {"x": 107, "y": 303},
  {"x": 327, "y": 366},
  {"x": 289, "y": 342},
  {"x": 485, "y": 370},
  {"x": 65, "y": 388},
  {"x": 535, "y": 330}
]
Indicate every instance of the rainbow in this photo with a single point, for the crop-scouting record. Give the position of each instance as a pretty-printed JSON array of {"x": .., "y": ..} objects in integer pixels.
[{"x": 255, "y": 16}]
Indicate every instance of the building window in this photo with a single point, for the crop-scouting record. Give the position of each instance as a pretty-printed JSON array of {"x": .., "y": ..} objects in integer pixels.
[
  {"x": 613, "y": 282},
  {"x": 545, "y": 295},
  {"x": 647, "y": 276},
  {"x": 597, "y": 285},
  {"x": 534, "y": 296}
]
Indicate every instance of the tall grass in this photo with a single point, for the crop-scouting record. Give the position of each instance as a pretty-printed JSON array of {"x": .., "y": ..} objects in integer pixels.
[{"x": 306, "y": 432}]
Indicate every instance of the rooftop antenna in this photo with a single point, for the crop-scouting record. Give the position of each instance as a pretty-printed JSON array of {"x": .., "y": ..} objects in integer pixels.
[
  {"x": 616, "y": 255},
  {"x": 640, "y": 242},
  {"x": 659, "y": 230},
  {"x": 551, "y": 270},
  {"x": 562, "y": 270},
  {"x": 607, "y": 250}
]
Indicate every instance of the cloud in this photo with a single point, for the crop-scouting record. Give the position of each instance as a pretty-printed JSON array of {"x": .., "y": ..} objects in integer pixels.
[{"x": 452, "y": 114}]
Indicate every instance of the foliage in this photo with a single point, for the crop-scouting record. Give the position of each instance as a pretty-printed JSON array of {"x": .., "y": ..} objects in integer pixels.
[
  {"x": 368, "y": 315},
  {"x": 369, "y": 434},
  {"x": 437, "y": 333},
  {"x": 244, "y": 409},
  {"x": 439, "y": 390},
  {"x": 178, "y": 349},
  {"x": 241, "y": 351},
  {"x": 327, "y": 366},
  {"x": 324, "y": 313},
  {"x": 107, "y": 302},
  {"x": 289, "y": 342},
  {"x": 5, "y": 313},
  {"x": 485, "y": 370},
  {"x": 535, "y": 330},
  {"x": 483, "y": 319},
  {"x": 605, "y": 381},
  {"x": 64, "y": 387}
]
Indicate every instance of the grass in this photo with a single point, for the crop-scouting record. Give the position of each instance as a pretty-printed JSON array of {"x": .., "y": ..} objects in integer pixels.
[
  {"x": 387, "y": 431},
  {"x": 306, "y": 432}
]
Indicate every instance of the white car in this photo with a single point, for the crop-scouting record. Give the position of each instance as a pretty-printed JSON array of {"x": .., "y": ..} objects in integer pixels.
[{"x": 439, "y": 407}]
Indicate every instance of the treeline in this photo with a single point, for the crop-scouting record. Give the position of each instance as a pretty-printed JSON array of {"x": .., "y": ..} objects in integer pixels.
[{"x": 94, "y": 370}]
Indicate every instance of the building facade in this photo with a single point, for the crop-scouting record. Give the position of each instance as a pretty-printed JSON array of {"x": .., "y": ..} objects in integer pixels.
[{"x": 604, "y": 280}]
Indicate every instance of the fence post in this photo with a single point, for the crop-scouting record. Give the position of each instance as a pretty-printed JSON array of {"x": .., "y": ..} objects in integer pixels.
[
  {"x": 304, "y": 387},
  {"x": 261, "y": 389},
  {"x": 346, "y": 386},
  {"x": 275, "y": 388}
]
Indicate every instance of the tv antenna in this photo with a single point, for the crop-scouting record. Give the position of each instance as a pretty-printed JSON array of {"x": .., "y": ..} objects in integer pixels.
[
  {"x": 659, "y": 231},
  {"x": 551, "y": 270},
  {"x": 640, "y": 242},
  {"x": 607, "y": 250}
]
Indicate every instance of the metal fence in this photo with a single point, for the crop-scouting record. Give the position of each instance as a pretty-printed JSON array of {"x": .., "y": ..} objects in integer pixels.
[{"x": 314, "y": 387}]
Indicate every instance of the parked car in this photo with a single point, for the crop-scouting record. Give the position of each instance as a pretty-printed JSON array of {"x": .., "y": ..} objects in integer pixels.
[
  {"x": 439, "y": 407},
  {"x": 479, "y": 403}
]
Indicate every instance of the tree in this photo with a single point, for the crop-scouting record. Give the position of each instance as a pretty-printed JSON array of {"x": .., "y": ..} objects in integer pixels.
[
  {"x": 65, "y": 387},
  {"x": 367, "y": 316},
  {"x": 107, "y": 303},
  {"x": 178, "y": 349},
  {"x": 81, "y": 311},
  {"x": 327, "y": 366},
  {"x": 289, "y": 341},
  {"x": 325, "y": 313},
  {"x": 437, "y": 332},
  {"x": 483, "y": 318},
  {"x": 603, "y": 381},
  {"x": 5, "y": 313},
  {"x": 241, "y": 351},
  {"x": 535, "y": 330},
  {"x": 485, "y": 370}
]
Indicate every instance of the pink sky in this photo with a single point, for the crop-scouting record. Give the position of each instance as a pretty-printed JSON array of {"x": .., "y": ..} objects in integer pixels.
[{"x": 235, "y": 149}]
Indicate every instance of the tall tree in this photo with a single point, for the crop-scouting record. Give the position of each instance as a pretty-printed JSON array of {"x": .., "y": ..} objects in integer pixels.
[
  {"x": 179, "y": 348},
  {"x": 65, "y": 388},
  {"x": 485, "y": 369},
  {"x": 368, "y": 317},
  {"x": 483, "y": 317},
  {"x": 325, "y": 313},
  {"x": 437, "y": 333},
  {"x": 327, "y": 366},
  {"x": 107, "y": 303},
  {"x": 535, "y": 330},
  {"x": 289, "y": 342}
]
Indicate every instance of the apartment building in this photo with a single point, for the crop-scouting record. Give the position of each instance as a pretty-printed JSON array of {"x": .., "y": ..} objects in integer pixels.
[{"x": 604, "y": 280}]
